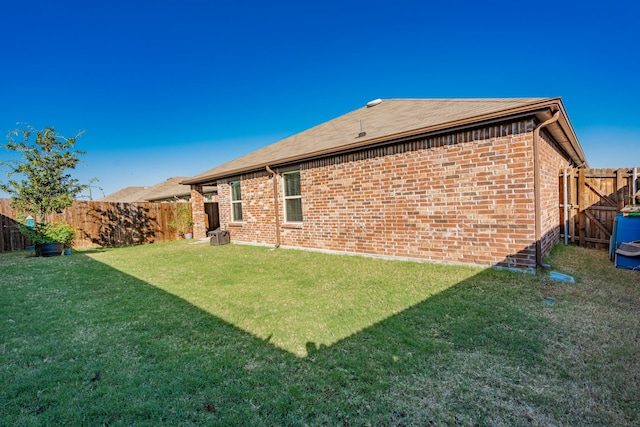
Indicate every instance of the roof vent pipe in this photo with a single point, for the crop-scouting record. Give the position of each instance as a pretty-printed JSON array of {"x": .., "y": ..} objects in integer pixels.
[
  {"x": 362, "y": 132},
  {"x": 374, "y": 103}
]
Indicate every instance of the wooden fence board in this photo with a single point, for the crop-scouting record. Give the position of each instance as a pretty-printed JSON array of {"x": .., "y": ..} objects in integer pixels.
[
  {"x": 594, "y": 197},
  {"x": 100, "y": 224}
]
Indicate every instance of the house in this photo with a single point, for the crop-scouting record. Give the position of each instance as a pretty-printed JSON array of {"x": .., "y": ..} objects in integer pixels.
[
  {"x": 471, "y": 181},
  {"x": 166, "y": 191}
]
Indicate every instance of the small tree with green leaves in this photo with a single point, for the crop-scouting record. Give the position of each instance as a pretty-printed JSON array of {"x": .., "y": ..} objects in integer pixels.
[{"x": 39, "y": 182}]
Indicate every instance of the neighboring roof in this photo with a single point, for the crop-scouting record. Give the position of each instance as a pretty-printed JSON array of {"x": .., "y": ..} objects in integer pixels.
[
  {"x": 393, "y": 119},
  {"x": 126, "y": 195},
  {"x": 171, "y": 188},
  {"x": 166, "y": 190}
]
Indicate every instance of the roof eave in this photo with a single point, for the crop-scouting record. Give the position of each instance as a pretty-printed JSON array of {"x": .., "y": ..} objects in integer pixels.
[{"x": 564, "y": 134}]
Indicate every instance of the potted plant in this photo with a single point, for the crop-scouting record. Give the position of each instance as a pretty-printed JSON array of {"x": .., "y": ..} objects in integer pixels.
[
  {"x": 50, "y": 239},
  {"x": 184, "y": 221}
]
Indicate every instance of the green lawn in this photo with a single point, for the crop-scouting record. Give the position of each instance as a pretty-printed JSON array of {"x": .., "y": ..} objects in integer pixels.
[{"x": 238, "y": 335}]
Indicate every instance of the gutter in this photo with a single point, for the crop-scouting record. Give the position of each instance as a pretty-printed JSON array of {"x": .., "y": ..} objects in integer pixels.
[
  {"x": 275, "y": 204},
  {"x": 536, "y": 188}
]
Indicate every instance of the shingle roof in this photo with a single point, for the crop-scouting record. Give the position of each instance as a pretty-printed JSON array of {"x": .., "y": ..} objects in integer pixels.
[
  {"x": 126, "y": 195},
  {"x": 166, "y": 190},
  {"x": 385, "y": 121}
]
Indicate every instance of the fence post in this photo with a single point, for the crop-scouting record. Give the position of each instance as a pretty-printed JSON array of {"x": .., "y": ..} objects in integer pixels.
[
  {"x": 621, "y": 182},
  {"x": 635, "y": 185},
  {"x": 582, "y": 204},
  {"x": 573, "y": 198}
]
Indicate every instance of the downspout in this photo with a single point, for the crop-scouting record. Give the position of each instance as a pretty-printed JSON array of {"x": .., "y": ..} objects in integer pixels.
[
  {"x": 275, "y": 204},
  {"x": 565, "y": 207},
  {"x": 536, "y": 188}
]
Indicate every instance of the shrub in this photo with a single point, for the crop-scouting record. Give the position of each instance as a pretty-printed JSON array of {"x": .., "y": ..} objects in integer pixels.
[
  {"x": 184, "y": 220},
  {"x": 42, "y": 232}
]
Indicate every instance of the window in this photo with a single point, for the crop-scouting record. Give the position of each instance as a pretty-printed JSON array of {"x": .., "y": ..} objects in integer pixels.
[
  {"x": 292, "y": 197},
  {"x": 236, "y": 202}
]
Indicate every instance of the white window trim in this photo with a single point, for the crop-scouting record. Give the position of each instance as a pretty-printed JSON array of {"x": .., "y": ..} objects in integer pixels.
[
  {"x": 233, "y": 219},
  {"x": 285, "y": 197}
]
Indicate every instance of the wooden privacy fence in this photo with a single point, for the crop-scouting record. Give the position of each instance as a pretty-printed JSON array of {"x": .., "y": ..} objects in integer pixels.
[
  {"x": 587, "y": 212},
  {"x": 592, "y": 200},
  {"x": 100, "y": 224}
]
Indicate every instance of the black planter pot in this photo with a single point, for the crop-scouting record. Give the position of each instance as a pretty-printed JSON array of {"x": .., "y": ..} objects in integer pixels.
[{"x": 49, "y": 249}]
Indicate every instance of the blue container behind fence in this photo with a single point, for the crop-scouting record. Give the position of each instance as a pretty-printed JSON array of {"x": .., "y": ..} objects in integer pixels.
[{"x": 627, "y": 230}]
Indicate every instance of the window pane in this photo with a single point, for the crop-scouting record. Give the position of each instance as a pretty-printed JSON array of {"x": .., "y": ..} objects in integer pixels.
[
  {"x": 291, "y": 184},
  {"x": 294, "y": 210},
  {"x": 235, "y": 191},
  {"x": 237, "y": 211}
]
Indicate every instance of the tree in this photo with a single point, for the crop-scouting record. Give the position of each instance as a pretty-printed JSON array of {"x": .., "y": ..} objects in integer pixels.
[{"x": 43, "y": 185}]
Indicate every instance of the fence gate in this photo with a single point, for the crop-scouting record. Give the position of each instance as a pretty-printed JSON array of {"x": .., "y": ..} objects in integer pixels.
[{"x": 592, "y": 200}]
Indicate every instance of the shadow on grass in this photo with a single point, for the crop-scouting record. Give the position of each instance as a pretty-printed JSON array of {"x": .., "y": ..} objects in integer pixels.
[{"x": 163, "y": 360}]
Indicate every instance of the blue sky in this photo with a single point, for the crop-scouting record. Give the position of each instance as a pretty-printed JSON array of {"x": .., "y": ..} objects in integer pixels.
[{"x": 173, "y": 88}]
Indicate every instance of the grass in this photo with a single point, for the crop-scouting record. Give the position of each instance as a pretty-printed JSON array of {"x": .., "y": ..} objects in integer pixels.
[{"x": 234, "y": 335}]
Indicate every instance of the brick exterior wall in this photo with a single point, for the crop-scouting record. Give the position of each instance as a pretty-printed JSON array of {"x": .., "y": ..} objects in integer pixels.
[
  {"x": 258, "y": 225},
  {"x": 552, "y": 161},
  {"x": 197, "y": 212},
  {"x": 462, "y": 198}
]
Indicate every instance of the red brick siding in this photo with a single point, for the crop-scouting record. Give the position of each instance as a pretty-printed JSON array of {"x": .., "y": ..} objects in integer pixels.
[
  {"x": 258, "y": 224},
  {"x": 197, "y": 212},
  {"x": 552, "y": 161},
  {"x": 466, "y": 197}
]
